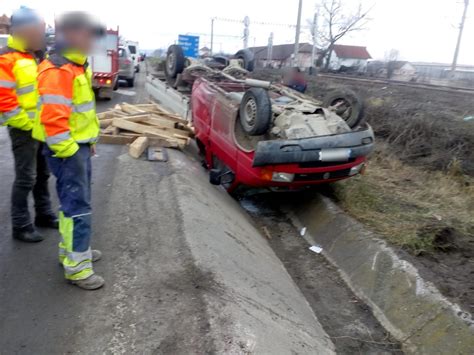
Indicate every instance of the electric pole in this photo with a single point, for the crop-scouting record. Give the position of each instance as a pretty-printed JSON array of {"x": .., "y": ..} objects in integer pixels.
[
  {"x": 314, "y": 33},
  {"x": 458, "y": 44},
  {"x": 212, "y": 35},
  {"x": 246, "y": 32},
  {"x": 297, "y": 35},
  {"x": 270, "y": 49}
]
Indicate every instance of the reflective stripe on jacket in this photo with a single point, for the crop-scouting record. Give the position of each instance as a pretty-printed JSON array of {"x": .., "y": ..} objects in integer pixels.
[
  {"x": 67, "y": 116},
  {"x": 18, "y": 85}
]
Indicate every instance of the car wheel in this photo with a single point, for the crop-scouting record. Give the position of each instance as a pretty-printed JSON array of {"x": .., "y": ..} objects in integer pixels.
[
  {"x": 346, "y": 104},
  {"x": 116, "y": 84},
  {"x": 255, "y": 112},
  {"x": 131, "y": 82},
  {"x": 247, "y": 57},
  {"x": 137, "y": 68},
  {"x": 175, "y": 60}
]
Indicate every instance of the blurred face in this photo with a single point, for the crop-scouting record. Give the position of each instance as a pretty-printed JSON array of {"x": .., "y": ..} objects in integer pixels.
[
  {"x": 80, "y": 39},
  {"x": 33, "y": 36}
]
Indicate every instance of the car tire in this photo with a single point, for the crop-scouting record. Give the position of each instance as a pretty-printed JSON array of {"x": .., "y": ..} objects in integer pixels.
[
  {"x": 116, "y": 84},
  {"x": 131, "y": 82},
  {"x": 255, "y": 112},
  {"x": 352, "y": 106},
  {"x": 247, "y": 57},
  {"x": 175, "y": 61}
]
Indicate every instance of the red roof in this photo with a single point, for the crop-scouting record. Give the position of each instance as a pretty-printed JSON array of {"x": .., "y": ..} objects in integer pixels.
[{"x": 356, "y": 52}]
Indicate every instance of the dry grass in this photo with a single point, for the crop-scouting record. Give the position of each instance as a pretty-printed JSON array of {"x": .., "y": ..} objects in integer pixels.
[{"x": 419, "y": 210}]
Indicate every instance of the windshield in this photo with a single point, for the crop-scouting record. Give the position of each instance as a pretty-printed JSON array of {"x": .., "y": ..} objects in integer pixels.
[{"x": 133, "y": 49}]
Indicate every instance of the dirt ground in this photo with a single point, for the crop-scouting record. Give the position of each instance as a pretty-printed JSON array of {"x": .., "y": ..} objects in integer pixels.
[
  {"x": 418, "y": 192},
  {"x": 354, "y": 330}
]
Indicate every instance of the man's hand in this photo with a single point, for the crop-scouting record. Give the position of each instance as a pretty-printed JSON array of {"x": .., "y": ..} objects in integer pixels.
[{"x": 93, "y": 150}]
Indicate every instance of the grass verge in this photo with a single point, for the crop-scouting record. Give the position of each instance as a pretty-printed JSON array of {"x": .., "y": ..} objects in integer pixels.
[{"x": 421, "y": 211}]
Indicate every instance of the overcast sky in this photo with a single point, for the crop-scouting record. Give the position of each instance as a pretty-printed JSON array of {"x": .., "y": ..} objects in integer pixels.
[{"x": 422, "y": 30}]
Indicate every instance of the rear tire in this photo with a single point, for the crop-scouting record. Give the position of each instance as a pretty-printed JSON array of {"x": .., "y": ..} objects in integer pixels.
[
  {"x": 131, "y": 82},
  {"x": 347, "y": 104},
  {"x": 175, "y": 61},
  {"x": 247, "y": 57},
  {"x": 255, "y": 112}
]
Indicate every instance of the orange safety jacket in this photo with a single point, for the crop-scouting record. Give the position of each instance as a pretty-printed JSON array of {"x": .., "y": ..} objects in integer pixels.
[
  {"x": 18, "y": 85},
  {"x": 67, "y": 116}
]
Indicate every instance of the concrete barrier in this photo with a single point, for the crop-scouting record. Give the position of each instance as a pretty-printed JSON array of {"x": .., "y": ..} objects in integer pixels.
[
  {"x": 412, "y": 309},
  {"x": 255, "y": 306}
]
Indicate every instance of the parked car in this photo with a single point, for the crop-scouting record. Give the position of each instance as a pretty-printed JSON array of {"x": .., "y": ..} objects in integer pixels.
[
  {"x": 3, "y": 40},
  {"x": 126, "y": 66},
  {"x": 256, "y": 133}
]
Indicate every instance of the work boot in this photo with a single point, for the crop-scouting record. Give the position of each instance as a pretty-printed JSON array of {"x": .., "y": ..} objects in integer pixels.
[
  {"x": 96, "y": 255},
  {"x": 47, "y": 221},
  {"x": 93, "y": 282},
  {"x": 27, "y": 234}
]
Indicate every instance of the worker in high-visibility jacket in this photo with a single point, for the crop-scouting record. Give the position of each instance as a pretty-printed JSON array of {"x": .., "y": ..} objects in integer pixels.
[
  {"x": 18, "y": 108},
  {"x": 68, "y": 124}
]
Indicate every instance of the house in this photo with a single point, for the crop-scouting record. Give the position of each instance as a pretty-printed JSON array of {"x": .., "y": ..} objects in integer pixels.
[
  {"x": 282, "y": 55},
  {"x": 349, "y": 58},
  {"x": 4, "y": 25},
  {"x": 401, "y": 70},
  {"x": 204, "y": 52}
]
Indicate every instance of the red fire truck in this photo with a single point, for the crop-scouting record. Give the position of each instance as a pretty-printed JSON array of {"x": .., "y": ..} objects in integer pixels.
[{"x": 104, "y": 63}]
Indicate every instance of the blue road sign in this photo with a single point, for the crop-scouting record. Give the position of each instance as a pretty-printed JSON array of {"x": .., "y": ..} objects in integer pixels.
[{"x": 190, "y": 45}]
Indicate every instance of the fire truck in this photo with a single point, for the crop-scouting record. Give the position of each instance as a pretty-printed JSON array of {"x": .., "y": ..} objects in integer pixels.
[{"x": 104, "y": 63}]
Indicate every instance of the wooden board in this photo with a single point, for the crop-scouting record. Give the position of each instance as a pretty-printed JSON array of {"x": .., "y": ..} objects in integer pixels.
[
  {"x": 121, "y": 140},
  {"x": 137, "y": 148}
]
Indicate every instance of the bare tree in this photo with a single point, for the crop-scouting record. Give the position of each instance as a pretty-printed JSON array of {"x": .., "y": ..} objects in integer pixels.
[
  {"x": 391, "y": 57},
  {"x": 336, "y": 20}
]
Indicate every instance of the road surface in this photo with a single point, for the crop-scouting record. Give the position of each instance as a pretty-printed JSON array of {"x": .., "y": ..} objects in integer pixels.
[{"x": 179, "y": 278}]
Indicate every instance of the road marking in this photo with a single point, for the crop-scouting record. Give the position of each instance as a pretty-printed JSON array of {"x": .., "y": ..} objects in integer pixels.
[{"x": 126, "y": 92}]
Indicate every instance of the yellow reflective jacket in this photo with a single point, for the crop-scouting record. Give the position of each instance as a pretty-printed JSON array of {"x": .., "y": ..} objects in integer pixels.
[
  {"x": 67, "y": 116},
  {"x": 18, "y": 85}
]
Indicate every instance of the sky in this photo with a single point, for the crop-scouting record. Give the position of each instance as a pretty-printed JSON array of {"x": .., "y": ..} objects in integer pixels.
[{"x": 421, "y": 30}]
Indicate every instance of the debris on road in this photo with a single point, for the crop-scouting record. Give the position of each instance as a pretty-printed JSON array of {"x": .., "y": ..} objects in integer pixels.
[
  {"x": 316, "y": 248},
  {"x": 143, "y": 126}
]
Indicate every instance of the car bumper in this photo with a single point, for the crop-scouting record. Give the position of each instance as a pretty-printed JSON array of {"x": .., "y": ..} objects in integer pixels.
[
  {"x": 323, "y": 150},
  {"x": 295, "y": 176}
]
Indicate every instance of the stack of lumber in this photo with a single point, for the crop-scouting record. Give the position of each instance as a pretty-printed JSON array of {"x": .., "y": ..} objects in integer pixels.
[{"x": 142, "y": 126}]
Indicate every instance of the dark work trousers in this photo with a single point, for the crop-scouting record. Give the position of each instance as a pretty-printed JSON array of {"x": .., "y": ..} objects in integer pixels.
[
  {"x": 73, "y": 184},
  {"x": 31, "y": 175}
]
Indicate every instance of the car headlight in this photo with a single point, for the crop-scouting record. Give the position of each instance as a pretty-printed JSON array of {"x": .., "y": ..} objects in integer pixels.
[
  {"x": 357, "y": 169},
  {"x": 283, "y": 177}
]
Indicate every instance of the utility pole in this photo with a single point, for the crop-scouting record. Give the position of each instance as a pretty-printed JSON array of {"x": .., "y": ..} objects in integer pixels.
[
  {"x": 314, "y": 33},
  {"x": 212, "y": 35},
  {"x": 458, "y": 44},
  {"x": 297, "y": 35},
  {"x": 246, "y": 32},
  {"x": 270, "y": 49}
]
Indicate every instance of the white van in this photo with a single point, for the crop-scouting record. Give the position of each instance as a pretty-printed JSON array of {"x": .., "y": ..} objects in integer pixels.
[
  {"x": 3, "y": 40},
  {"x": 133, "y": 48}
]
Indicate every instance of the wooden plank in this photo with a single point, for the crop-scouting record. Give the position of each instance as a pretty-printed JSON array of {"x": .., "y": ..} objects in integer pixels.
[
  {"x": 130, "y": 109},
  {"x": 111, "y": 130},
  {"x": 137, "y": 148},
  {"x": 121, "y": 140},
  {"x": 173, "y": 118},
  {"x": 157, "y": 123}
]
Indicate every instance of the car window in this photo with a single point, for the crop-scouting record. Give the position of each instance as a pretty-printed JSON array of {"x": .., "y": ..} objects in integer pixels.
[
  {"x": 133, "y": 49},
  {"x": 3, "y": 41}
]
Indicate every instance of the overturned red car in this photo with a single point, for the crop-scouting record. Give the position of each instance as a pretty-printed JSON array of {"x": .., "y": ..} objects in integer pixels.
[{"x": 259, "y": 134}]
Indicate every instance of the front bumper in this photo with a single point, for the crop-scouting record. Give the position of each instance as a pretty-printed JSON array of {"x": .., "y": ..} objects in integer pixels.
[{"x": 336, "y": 148}]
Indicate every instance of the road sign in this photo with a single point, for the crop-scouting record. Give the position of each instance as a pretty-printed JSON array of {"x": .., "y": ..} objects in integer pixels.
[{"x": 190, "y": 45}]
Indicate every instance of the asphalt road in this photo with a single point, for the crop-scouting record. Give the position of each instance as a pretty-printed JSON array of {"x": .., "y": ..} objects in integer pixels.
[{"x": 41, "y": 314}]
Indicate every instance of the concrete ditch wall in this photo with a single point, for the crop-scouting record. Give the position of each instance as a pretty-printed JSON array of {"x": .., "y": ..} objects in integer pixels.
[
  {"x": 254, "y": 305},
  {"x": 412, "y": 309}
]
